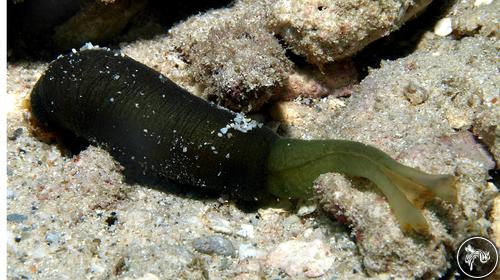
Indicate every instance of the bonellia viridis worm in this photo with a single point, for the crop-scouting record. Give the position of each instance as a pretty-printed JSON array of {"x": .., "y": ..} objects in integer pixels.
[{"x": 142, "y": 117}]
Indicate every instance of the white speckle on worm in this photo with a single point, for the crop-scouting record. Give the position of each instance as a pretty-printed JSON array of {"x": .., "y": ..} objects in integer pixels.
[
  {"x": 240, "y": 123},
  {"x": 112, "y": 99}
]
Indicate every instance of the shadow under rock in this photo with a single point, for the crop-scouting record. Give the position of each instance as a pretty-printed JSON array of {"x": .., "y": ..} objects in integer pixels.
[
  {"x": 402, "y": 42},
  {"x": 32, "y": 24}
]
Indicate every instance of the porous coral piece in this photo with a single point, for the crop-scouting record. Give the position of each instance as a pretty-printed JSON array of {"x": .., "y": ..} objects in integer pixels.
[
  {"x": 231, "y": 55},
  {"x": 328, "y": 30},
  {"x": 384, "y": 247}
]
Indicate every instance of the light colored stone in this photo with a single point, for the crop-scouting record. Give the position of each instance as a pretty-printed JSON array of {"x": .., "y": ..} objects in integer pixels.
[
  {"x": 495, "y": 226},
  {"x": 443, "y": 27},
  {"x": 306, "y": 208},
  {"x": 147, "y": 276},
  {"x": 298, "y": 258},
  {"x": 246, "y": 230},
  {"x": 482, "y": 2},
  {"x": 249, "y": 251},
  {"x": 289, "y": 112}
]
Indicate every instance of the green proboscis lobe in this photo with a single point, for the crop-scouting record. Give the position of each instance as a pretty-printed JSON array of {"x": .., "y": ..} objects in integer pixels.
[{"x": 295, "y": 164}]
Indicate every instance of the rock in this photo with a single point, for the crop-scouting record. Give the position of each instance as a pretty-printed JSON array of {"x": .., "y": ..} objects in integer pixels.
[
  {"x": 16, "y": 218},
  {"x": 290, "y": 220},
  {"x": 290, "y": 112},
  {"x": 249, "y": 269},
  {"x": 415, "y": 94},
  {"x": 248, "y": 250},
  {"x": 9, "y": 171},
  {"x": 237, "y": 62},
  {"x": 10, "y": 195},
  {"x": 380, "y": 241},
  {"x": 457, "y": 118},
  {"x": 147, "y": 276},
  {"x": 482, "y": 2},
  {"x": 306, "y": 208},
  {"x": 15, "y": 134},
  {"x": 96, "y": 22},
  {"x": 326, "y": 31},
  {"x": 52, "y": 237},
  {"x": 219, "y": 225},
  {"x": 443, "y": 27},
  {"x": 299, "y": 258},
  {"x": 472, "y": 18},
  {"x": 312, "y": 82},
  {"x": 246, "y": 231},
  {"x": 495, "y": 226},
  {"x": 464, "y": 145},
  {"x": 214, "y": 245}
]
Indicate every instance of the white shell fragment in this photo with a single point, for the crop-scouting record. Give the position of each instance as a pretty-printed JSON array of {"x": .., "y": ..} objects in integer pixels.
[
  {"x": 443, "y": 27},
  {"x": 482, "y": 2}
]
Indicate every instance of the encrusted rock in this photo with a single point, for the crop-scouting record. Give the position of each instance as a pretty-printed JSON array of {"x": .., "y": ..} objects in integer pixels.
[
  {"x": 325, "y": 31},
  {"x": 232, "y": 56},
  {"x": 495, "y": 226},
  {"x": 384, "y": 247}
]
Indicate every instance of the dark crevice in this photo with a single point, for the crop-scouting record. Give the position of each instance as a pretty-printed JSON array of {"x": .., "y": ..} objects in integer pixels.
[
  {"x": 31, "y": 24},
  {"x": 402, "y": 42}
]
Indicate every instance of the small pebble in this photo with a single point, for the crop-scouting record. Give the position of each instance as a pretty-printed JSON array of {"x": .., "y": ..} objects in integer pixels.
[
  {"x": 306, "y": 209},
  {"x": 415, "y": 94},
  {"x": 16, "y": 218},
  {"x": 147, "y": 276},
  {"x": 254, "y": 220},
  {"x": 246, "y": 231},
  {"x": 10, "y": 194},
  {"x": 298, "y": 258},
  {"x": 52, "y": 238},
  {"x": 214, "y": 245},
  {"x": 290, "y": 220},
  {"x": 220, "y": 225},
  {"x": 248, "y": 250},
  {"x": 482, "y": 2},
  {"x": 443, "y": 27},
  {"x": 16, "y": 133}
]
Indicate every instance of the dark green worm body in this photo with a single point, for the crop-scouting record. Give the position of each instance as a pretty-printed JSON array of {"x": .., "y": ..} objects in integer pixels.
[{"x": 141, "y": 116}]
